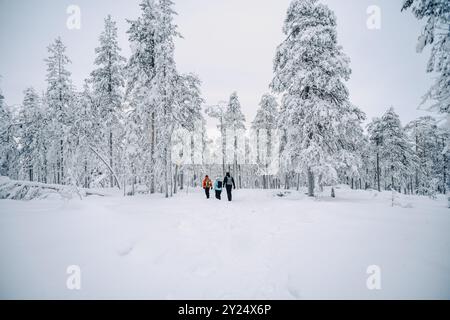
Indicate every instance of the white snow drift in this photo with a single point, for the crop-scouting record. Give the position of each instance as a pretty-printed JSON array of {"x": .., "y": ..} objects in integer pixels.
[{"x": 259, "y": 246}]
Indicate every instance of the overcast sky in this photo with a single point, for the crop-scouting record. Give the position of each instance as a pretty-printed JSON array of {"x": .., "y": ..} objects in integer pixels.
[{"x": 230, "y": 44}]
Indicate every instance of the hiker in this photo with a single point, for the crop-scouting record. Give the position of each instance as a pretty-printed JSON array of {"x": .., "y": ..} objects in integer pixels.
[
  {"x": 228, "y": 182},
  {"x": 218, "y": 188},
  {"x": 207, "y": 184}
]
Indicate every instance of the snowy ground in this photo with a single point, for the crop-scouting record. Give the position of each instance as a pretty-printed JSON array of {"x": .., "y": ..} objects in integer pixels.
[{"x": 259, "y": 246}]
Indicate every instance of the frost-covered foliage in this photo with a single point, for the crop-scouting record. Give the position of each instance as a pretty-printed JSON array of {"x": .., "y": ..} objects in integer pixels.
[
  {"x": 435, "y": 34},
  {"x": 429, "y": 142},
  {"x": 235, "y": 126},
  {"x": 137, "y": 124},
  {"x": 394, "y": 149},
  {"x": 59, "y": 99},
  {"x": 411, "y": 159},
  {"x": 26, "y": 190},
  {"x": 319, "y": 122},
  {"x": 32, "y": 132},
  {"x": 108, "y": 83},
  {"x": 265, "y": 125},
  {"x": 162, "y": 100},
  {"x": 267, "y": 115},
  {"x": 8, "y": 143},
  {"x": 234, "y": 118}
]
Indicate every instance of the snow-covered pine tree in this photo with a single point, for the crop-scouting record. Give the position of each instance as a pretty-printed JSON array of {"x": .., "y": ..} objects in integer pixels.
[
  {"x": 188, "y": 101},
  {"x": 32, "y": 131},
  {"x": 235, "y": 126},
  {"x": 190, "y": 119},
  {"x": 265, "y": 120},
  {"x": 310, "y": 69},
  {"x": 375, "y": 132},
  {"x": 141, "y": 121},
  {"x": 429, "y": 143},
  {"x": 165, "y": 90},
  {"x": 86, "y": 129},
  {"x": 368, "y": 168},
  {"x": 397, "y": 161},
  {"x": 436, "y": 34},
  {"x": 8, "y": 145},
  {"x": 59, "y": 98},
  {"x": 108, "y": 83},
  {"x": 154, "y": 88}
]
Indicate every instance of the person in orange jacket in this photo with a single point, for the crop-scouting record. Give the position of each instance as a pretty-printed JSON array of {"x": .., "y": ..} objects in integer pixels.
[{"x": 207, "y": 185}]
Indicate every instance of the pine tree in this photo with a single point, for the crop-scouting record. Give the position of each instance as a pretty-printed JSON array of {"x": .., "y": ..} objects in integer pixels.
[
  {"x": 140, "y": 71},
  {"x": 108, "y": 83},
  {"x": 162, "y": 100},
  {"x": 86, "y": 132},
  {"x": 190, "y": 119},
  {"x": 8, "y": 146},
  {"x": 436, "y": 34},
  {"x": 396, "y": 160},
  {"x": 235, "y": 125},
  {"x": 165, "y": 91},
  {"x": 59, "y": 98},
  {"x": 317, "y": 117},
  {"x": 429, "y": 147},
  {"x": 32, "y": 134},
  {"x": 265, "y": 121}
]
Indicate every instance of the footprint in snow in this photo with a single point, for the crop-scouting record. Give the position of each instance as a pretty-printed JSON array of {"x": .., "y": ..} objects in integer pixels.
[
  {"x": 293, "y": 291},
  {"x": 125, "y": 250}
]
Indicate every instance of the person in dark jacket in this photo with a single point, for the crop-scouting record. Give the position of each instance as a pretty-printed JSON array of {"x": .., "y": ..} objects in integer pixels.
[{"x": 229, "y": 184}]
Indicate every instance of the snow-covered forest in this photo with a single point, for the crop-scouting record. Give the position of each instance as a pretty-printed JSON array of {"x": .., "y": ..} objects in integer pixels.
[
  {"x": 139, "y": 125},
  {"x": 109, "y": 174}
]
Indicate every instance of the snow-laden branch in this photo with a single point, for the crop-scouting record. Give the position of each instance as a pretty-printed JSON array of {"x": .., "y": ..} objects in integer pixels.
[
  {"x": 28, "y": 190},
  {"x": 106, "y": 164}
]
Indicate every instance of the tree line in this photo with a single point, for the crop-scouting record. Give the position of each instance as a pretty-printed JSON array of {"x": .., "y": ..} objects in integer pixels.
[{"x": 137, "y": 120}]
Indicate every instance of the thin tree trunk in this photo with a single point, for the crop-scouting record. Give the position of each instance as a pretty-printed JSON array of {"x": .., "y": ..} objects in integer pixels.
[
  {"x": 175, "y": 179},
  {"x": 182, "y": 179},
  {"x": 310, "y": 183},
  {"x": 378, "y": 172},
  {"x": 62, "y": 162},
  {"x": 166, "y": 177},
  {"x": 111, "y": 179},
  {"x": 152, "y": 154}
]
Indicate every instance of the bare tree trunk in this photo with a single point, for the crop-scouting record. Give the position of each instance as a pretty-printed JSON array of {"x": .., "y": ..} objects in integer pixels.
[
  {"x": 224, "y": 144},
  {"x": 166, "y": 176},
  {"x": 62, "y": 162},
  {"x": 235, "y": 165},
  {"x": 378, "y": 172},
  {"x": 310, "y": 183},
  {"x": 171, "y": 179},
  {"x": 86, "y": 174},
  {"x": 182, "y": 179},
  {"x": 152, "y": 153},
  {"x": 111, "y": 179},
  {"x": 175, "y": 179}
]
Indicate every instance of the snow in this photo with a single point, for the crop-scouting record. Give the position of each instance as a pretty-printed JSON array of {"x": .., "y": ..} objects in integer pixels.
[{"x": 260, "y": 246}]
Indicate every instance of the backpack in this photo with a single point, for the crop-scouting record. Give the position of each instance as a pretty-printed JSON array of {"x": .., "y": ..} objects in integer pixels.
[
  {"x": 229, "y": 181},
  {"x": 219, "y": 184}
]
